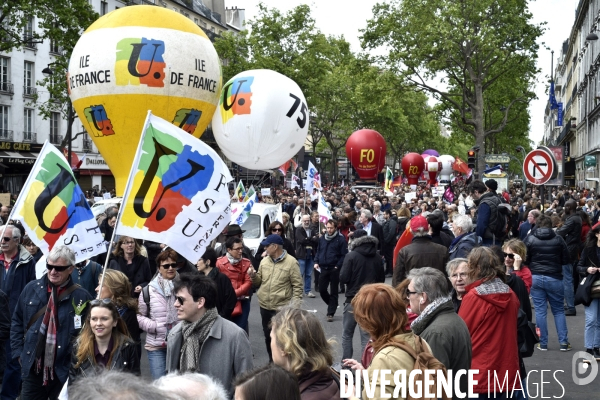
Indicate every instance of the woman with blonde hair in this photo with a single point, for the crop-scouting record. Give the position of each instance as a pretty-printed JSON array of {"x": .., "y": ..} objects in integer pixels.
[
  {"x": 117, "y": 288},
  {"x": 128, "y": 259},
  {"x": 515, "y": 254},
  {"x": 103, "y": 344},
  {"x": 298, "y": 344}
]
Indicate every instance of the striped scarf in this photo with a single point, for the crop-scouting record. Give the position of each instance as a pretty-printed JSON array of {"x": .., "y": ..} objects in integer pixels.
[{"x": 46, "y": 345}]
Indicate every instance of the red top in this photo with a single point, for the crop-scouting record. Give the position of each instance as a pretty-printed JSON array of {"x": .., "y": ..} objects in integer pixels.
[
  {"x": 525, "y": 274},
  {"x": 490, "y": 310},
  {"x": 237, "y": 274}
]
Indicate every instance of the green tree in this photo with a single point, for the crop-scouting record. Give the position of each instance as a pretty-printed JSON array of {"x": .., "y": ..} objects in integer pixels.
[{"x": 471, "y": 45}]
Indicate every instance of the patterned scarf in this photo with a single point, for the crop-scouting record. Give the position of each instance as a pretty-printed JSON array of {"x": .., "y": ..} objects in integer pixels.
[
  {"x": 46, "y": 345},
  {"x": 167, "y": 287},
  {"x": 194, "y": 334},
  {"x": 232, "y": 260}
]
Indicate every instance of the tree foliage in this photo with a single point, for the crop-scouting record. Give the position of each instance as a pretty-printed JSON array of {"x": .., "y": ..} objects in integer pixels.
[
  {"x": 483, "y": 51},
  {"x": 344, "y": 92}
]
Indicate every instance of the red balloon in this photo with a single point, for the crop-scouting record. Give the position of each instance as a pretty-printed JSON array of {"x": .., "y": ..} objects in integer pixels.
[
  {"x": 366, "y": 151},
  {"x": 432, "y": 169},
  {"x": 412, "y": 165}
]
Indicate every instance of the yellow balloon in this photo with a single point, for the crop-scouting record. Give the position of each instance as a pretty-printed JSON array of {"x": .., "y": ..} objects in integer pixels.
[{"x": 136, "y": 59}]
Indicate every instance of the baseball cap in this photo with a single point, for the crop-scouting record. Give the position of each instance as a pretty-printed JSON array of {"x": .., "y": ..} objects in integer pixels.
[
  {"x": 276, "y": 239},
  {"x": 418, "y": 222}
]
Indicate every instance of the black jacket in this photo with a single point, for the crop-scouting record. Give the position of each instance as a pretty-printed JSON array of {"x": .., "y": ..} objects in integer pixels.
[
  {"x": 125, "y": 358},
  {"x": 331, "y": 253},
  {"x": 362, "y": 265},
  {"x": 442, "y": 238},
  {"x": 130, "y": 319},
  {"x": 462, "y": 246},
  {"x": 546, "y": 253},
  {"x": 589, "y": 258},
  {"x": 377, "y": 231},
  {"x": 518, "y": 286},
  {"x": 138, "y": 272},
  {"x": 226, "y": 298},
  {"x": 389, "y": 232},
  {"x": 571, "y": 232},
  {"x": 4, "y": 319},
  {"x": 303, "y": 241}
]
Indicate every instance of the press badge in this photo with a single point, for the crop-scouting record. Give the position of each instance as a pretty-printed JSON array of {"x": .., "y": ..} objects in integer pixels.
[{"x": 77, "y": 321}]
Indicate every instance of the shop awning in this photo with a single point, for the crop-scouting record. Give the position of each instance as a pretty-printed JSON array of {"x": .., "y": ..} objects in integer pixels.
[{"x": 13, "y": 154}]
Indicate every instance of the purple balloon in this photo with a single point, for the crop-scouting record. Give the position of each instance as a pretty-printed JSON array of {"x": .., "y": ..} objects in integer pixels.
[{"x": 431, "y": 152}]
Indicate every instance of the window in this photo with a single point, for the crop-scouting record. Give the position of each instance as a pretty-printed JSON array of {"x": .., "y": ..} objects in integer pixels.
[
  {"x": 28, "y": 34},
  {"x": 54, "y": 48},
  {"x": 4, "y": 74},
  {"x": 196, "y": 21},
  {"x": 28, "y": 79},
  {"x": 103, "y": 8},
  {"x": 4, "y": 120},
  {"x": 54, "y": 127},
  {"x": 27, "y": 124}
]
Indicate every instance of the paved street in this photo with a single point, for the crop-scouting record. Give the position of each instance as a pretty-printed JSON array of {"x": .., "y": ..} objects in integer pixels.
[{"x": 553, "y": 362}]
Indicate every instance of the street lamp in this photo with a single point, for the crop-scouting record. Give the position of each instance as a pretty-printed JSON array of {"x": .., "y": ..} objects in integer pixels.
[
  {"x": 591, "y": 36},
  {"x": 47, "y": 72}
]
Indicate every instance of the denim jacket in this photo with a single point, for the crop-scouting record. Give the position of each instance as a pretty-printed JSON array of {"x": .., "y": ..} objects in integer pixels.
[{"x": 23, "y": 344}]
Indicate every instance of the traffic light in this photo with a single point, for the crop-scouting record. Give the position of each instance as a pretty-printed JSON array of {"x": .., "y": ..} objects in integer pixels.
[{"x": 471, "y": 159}]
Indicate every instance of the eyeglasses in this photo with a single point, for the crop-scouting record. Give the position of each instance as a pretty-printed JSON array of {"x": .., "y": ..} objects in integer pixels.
[
  {"x": 509, "y": 255},
  {"x": 276, "y": 230},
  {"x": 408, "y": 293},
  {"x": 237, "y": 248},
  {"x": 6, "y": 239},
  {"x": 461, "y": 275},
  {"x": 58, "y": 268},
  {"x": 172, "y": 265},
  {"x": 97, "y": 302}
]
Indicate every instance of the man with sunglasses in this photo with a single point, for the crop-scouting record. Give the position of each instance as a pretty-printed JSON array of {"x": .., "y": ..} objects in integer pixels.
[
  {"x": 205, "y": 342},
  {"x": 17, "y": 269},
  {"x": 49, "y": 314}
]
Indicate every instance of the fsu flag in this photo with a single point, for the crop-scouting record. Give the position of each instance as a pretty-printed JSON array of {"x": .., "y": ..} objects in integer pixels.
[
  {"x": 176, "y": 192},
  {"x": 53, "y": 208},
  {"x": 389, "y": 177},
  {"x": 461, "y": 166},
  {"x": 240, "y": 191}
]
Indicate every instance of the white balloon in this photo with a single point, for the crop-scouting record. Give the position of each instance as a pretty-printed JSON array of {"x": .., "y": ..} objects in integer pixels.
[
  {"x": 444, "y": 174},
  {"x": 261, "y": 120}
]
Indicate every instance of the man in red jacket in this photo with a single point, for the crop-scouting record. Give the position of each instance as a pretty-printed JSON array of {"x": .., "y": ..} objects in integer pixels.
[{"x": 490, "y": 309}]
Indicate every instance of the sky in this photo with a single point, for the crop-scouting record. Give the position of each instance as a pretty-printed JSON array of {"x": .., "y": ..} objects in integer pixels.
[{"x": 337, "y": 17}]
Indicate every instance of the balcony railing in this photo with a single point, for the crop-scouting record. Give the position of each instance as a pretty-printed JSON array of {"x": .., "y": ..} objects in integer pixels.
[
  {"x": 7, "y": 87},
  {"x": 30, "y": 137},
  {"x": 29, "y": 43},
  {"x": 87, "y": 145},
  {"x": 29, "y": 91},
  {"x": 6, "y": 134},
  {"x": 55, "y": 139}
]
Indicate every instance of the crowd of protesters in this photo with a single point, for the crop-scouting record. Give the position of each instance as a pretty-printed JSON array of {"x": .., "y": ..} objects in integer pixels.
[{"x": 468, "y": 272}]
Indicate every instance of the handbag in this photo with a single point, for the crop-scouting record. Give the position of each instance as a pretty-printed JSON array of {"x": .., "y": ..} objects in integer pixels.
[
  {"x": 595, "y": 292},
  {"x": 583, "y": 295}
]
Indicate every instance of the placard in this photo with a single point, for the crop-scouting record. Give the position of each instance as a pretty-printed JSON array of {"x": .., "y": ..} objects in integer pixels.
[
  {"x": 265, "y": 191},
  {"x": 5, "y": 199}
]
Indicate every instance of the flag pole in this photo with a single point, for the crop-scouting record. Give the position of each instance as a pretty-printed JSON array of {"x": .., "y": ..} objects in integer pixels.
[
  {"x": 22, "y": 193},
  {"x": 125, "y": 198}
]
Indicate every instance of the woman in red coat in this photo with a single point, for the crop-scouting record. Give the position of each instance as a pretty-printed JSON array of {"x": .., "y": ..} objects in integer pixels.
[
  {"x": 490, "y": 309},
  {"x": 236, "y": 267}
]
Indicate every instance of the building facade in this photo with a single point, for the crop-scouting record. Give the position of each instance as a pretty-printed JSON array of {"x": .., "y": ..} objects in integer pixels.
[{"x": 22, "y": 128}]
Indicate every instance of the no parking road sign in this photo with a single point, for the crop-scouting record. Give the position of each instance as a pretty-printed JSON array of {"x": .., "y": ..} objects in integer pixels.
[{"x": 539, "y": 166}]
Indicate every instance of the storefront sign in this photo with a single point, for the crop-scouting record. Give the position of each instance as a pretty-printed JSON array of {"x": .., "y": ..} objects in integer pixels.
[
  {"x": 18, "y": 161},
  {"x": 93, "y": 161},
  {"x": 17, "y": 146},
  {"x": 590, "y": 161}
]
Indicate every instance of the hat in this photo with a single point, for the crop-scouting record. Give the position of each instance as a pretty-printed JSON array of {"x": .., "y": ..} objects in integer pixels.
[
  {"x": 272, "y": 239},
  {"x": 492, "y": 184},
  {"x": 419, "y": 222},
  {"x": 233, "y": 230},
  {"x": 359, "y": 233}
]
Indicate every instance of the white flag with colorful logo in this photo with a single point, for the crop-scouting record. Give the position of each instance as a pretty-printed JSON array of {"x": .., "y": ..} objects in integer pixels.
[
  {"x": 295, "y": 181},
  {"x": 53, "y": 208},
  {"x": 241, "y": 212},
  {"x": 240, "y": 191},
  {"x": 313, "y": 179},
  {"x": 177, "y": 191},
  {"x": 324, "y": 213},
  {"x": 389, "y": 178},
  {"x": 250, "y": 194}
]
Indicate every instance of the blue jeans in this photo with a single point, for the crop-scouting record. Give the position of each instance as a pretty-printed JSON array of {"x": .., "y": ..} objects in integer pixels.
[
  {"x": 545, "y": 288},
  {"x": 592, "y": 325},
  {"x": 349, "y": 324},
  {"x": 242, "y": 319},
  {"x": 568, "y": 284},
  {"x": 158, "y": 363},
  {"x": 12, "y": 376},
  {"x": 306, "y": 268}
]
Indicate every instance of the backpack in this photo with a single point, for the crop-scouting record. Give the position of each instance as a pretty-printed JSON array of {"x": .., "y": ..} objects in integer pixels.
[
  {"x": 424, "y": 360},
  {"x": 146, "y": 297},
  {"x": 500, "y": 229}
]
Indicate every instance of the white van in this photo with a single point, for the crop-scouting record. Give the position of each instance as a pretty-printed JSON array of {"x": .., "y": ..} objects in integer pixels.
[
  {"x": 261, "y": 216},
  {"x": 99, "y": 207}
]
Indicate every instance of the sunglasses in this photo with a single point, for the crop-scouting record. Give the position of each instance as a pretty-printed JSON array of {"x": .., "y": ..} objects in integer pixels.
[
  {"x": 6, "y": 239},
  {"x": 173, "y": 265},
  {"x": 509, "y": 255},
  {"x": 180, "y": 299},
  {"x": 276, "y": 230},
  {"x": 58, "y": 268},
  {"x": 97, "y": 302}
]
